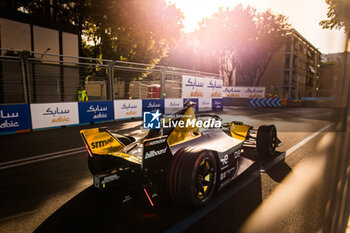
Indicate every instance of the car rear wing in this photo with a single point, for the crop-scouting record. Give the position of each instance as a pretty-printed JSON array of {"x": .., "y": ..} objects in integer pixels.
[{"x": 100, "y": 141}]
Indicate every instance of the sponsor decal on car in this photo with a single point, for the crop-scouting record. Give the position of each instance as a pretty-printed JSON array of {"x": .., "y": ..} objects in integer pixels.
[
  {"x": 224, "y": 160},
  {"x": 102, "y": 143},
  {"x": 153, "y": 153},
  {"x": 110, "y": 178},
  {"x": 226, "y": 173},
  {"x": 156, "y": 142},
  {"x": 237, "y": 154}
]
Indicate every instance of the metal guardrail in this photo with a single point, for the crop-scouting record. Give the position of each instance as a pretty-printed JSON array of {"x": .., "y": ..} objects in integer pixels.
[{"x": 33, "y": 77}]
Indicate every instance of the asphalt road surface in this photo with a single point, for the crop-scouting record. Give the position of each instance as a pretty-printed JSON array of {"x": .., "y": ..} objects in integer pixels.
[{"x": 46, "y": 186}]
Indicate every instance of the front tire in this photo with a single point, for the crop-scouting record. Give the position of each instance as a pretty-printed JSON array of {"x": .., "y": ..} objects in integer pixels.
[
  {"x": 266, "y": 141},
  {"x": 192, "y": 178}
]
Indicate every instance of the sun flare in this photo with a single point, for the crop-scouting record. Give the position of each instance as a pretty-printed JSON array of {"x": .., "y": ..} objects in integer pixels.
[
  {"x": 297, "y": 11},
  {"x": 196, "y": 10}
]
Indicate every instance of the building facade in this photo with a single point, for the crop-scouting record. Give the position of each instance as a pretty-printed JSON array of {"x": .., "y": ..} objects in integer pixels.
[
  {"x": 43, "y": 34},
  {"x": 293, "y": 71}
]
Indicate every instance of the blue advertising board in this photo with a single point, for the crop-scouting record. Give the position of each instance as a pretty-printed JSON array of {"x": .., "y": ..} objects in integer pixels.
[
  {"x": 94, "y": 111},
  {"x": 152, "y": 105},
  {"x": 217, "y": 104},
  {"x": 14, "y": 118},
  {"x": 193, "y": 100}
]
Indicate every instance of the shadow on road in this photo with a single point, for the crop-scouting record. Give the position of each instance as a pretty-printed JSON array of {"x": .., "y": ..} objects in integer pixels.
[
  {"x": 279, "y": 171},
  {"x": 95, "y": 210}
]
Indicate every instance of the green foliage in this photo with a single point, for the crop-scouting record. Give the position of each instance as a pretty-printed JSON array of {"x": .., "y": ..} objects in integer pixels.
[
  {"x": 338, "y": 15},
  {"x": 129, "y": 30}
]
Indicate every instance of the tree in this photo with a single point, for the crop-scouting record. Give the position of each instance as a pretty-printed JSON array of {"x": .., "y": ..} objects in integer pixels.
[
  {"x": 243, "y": 41},
  {"x": 130, "y": 30},
  {"x": 141, "y": 31},
  {"x": 135, "y": 30},
  {"x": 338, "y": 15}
]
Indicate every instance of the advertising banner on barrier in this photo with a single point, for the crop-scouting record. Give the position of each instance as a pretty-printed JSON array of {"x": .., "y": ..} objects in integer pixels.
[
  {"x": 198, "y": 87},
  {"x": 124, "y": 109},
  {"x": 173, "y": 105},
  {"x": 54, "y": 114},
  {"x": 152, "y": 105},
  {"x": 244, "y": 92},
  {"x": 14, "y": 118},
  {"x": 94, "y": 111},
  {"x": 204, "y": 104},
  {"x": 193, "y": 100},
  {"x": 217, "y": 104}
]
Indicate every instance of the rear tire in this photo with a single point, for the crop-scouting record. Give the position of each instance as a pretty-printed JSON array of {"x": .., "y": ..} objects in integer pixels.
[
  {"x": 266, "y": 140},
  {"x": 192, "y": 178}
]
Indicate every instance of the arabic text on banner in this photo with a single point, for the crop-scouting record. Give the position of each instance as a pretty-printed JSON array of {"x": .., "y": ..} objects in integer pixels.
[
  {"x": 14, "y": 117},
  {"x": 124, "y": 109},
  {"x": 54, "y": 114},
  {"x": 172, "y": 105},
  {"x": 244, "y": 92},
  {"x": 198, "y": 87},
  {"x": 95, "y": 111},
  {"x": 152, "y": 105},
  {"x": 204, "y": 104},
  {"x": 217, "y": 104}
]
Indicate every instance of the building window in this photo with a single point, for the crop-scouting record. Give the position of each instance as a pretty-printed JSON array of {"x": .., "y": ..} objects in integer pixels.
[
  {"x": 286, "y": 78},
  {"x": 287, "y": 61},
  {"x": 294, "y": 61},
  {"x": 288, "y": 45}
]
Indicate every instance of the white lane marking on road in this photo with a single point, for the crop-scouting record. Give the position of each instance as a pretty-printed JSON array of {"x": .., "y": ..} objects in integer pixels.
[
  {"x": 196, "y": 216},
  {"x": 305, "y": 140},
  {"x": 294, "y": 148},
  {"x": 39, "y": 158}
]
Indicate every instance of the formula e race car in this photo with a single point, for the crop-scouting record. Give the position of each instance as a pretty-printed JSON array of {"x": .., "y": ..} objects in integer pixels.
[{"x": 188, "y": 164}]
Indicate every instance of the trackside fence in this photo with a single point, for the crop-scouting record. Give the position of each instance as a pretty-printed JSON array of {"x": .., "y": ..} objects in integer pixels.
[
  {"x": 33, "y": 77},
  {"x": 40, "y": 90}
]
